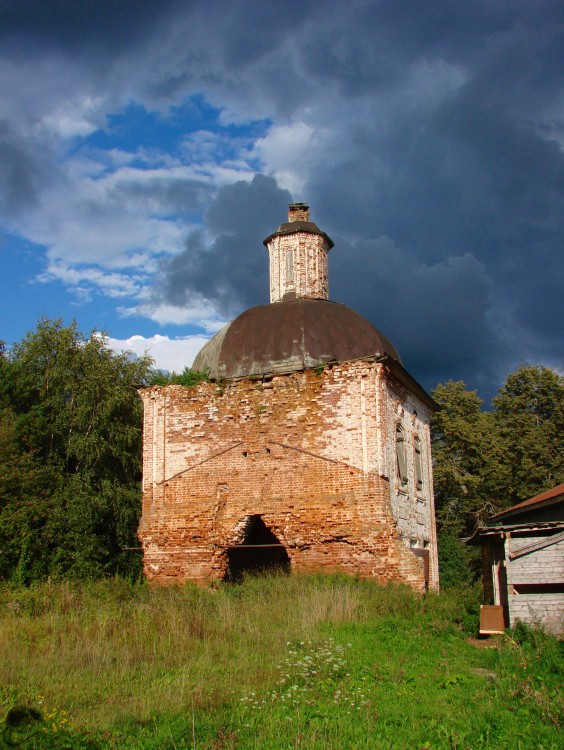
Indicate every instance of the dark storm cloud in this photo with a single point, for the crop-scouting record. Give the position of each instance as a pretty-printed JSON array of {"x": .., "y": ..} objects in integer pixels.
[
  {"x": 232, "y": 270},
  {"x": 438, "y": 125},
  {"x": 178, "y": 196},
  {"x": 446, "y": 131},
  {"x": 435, "y": 314},
  {"x": 479, "y": 173},
  {"x": 78, "y": 25},
  {"x": 23, "y": 171}
]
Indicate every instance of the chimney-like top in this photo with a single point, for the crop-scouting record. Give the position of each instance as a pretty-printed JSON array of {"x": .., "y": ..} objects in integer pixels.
[
  {"x": 298, "y": 212},
  {"x": 298, "y": 257}
]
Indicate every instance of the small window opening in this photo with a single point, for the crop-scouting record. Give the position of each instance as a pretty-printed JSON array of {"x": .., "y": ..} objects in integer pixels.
[
  {"x": 417, "y": 463},
  {"x": 290, "y": 265},
  {"x": 401, "y": 458},
  {"x": 245, "y": 454},
  {"x": 259, "y": 551},
  {"x": 423, "y": 553}
]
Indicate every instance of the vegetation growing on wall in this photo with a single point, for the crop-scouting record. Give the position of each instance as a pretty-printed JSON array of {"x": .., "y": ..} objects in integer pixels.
[{"x": 187, "y": 378}]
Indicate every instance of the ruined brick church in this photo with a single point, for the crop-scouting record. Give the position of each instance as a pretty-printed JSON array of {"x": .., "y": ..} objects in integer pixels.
[{"x": 308, "y": 450}]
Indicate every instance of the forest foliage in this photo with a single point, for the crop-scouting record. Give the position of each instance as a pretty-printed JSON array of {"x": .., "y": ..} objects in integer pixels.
[
  {"x": 487, "y": 461},
  {"x": 70, "y": 456},
  {"x": 71, "y": 446}
]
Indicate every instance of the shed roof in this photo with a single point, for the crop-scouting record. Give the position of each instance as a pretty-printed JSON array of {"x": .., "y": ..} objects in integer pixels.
[
  {"x": 500, "y": 531},
  {"x": 555, "y": 495}
]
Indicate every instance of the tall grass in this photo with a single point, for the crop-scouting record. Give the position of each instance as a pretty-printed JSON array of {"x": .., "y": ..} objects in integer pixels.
[
  {"x": 197, "y": 667},
  {"x": 111, "y": 649}
]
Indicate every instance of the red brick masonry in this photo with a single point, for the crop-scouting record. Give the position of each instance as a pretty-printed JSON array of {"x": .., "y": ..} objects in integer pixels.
[{"x": 311, "y": 453}]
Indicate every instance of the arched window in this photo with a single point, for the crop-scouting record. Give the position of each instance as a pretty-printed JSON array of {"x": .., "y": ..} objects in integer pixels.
[
  {"x": 401, "y": 458},
  {"x": 418, "y": 466}
]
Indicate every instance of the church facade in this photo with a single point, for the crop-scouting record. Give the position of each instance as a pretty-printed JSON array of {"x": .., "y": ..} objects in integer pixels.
[{"x": 308, "y": 450}]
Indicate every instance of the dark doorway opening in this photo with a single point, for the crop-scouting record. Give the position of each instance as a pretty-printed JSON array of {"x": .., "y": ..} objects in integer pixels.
[{"x": 260, "y": 551}]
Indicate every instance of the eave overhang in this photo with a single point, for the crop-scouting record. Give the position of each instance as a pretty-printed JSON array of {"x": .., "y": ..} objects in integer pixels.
[
  {"x": 530, "y": 506},
  {"x": 401, "y": 374},
  {"x": 296, "y": 227},
  {"x": 486, "y": 534}
]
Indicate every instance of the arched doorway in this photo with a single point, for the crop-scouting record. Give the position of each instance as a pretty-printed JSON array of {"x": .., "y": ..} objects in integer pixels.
[{"x": 259, "y": 551}]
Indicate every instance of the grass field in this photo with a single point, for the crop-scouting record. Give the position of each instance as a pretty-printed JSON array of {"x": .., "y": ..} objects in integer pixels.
[{"x": 279, "y": 662}]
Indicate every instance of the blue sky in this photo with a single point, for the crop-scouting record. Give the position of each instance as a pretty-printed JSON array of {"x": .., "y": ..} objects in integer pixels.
[{"x": 146, "y": 150}]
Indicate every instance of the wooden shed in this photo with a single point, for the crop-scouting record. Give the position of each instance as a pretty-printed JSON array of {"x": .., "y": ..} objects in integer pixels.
[{"x": 523, "y": 562}]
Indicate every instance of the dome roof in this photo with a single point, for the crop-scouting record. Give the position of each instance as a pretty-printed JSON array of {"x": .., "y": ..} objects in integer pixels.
[{"x": 291, "y": 335}]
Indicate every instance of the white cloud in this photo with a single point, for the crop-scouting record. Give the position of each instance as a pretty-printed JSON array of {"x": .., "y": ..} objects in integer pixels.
[
  {"x": 171, "y": 354},
  {"x": 104, "y": 220},
  {"x": 200, "y": 312},
  {"x": 286, "y": 152},
  {"x": 103, "y": 213},
  {"x": 80, "y": 280},
  {"x": 75, "y": 118}
]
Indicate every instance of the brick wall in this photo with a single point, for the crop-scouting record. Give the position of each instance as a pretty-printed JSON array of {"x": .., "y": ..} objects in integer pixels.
[
  {"x": 311, "y": 453},
  {"x": 298, "y": 212},
  {"x": 309, "y": 266}
]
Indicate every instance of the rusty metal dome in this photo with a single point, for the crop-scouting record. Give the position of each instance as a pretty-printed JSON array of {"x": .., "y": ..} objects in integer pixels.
[{"x": 291, "y": 335}]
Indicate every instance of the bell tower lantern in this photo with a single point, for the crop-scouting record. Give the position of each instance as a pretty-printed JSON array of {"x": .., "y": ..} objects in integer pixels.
[{"x": 298, "y": 257}]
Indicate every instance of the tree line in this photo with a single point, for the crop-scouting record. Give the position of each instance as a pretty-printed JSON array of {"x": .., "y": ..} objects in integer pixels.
[
  {"x": 487, "y": 461},
  {"x": 70, "y": 456},
  {"x": 71, "y": 447}
]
